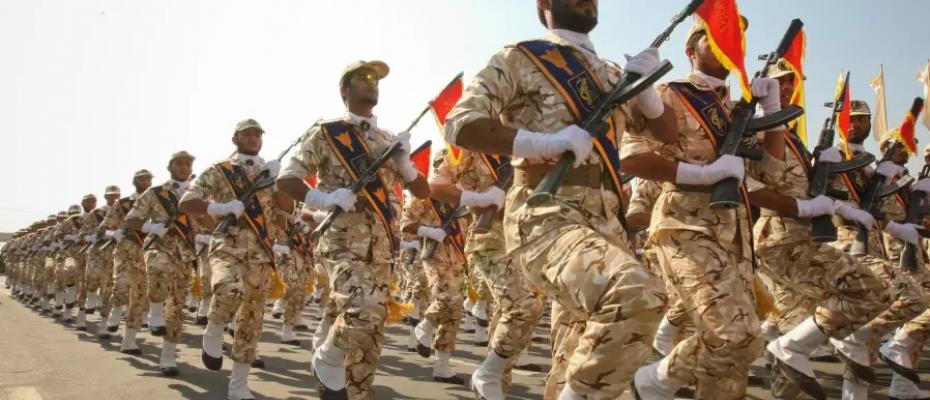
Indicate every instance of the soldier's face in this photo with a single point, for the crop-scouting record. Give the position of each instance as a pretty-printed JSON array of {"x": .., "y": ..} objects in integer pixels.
[
  {"x": 859, "y": 128},
  {"x": 111, "y": 198},
  {"x": 89, "y": 204},
  {"x": 574, "y": 15},
  {"x": 362, "y": 88},
  {"x": 142, "y": 183},
  {"x": 703, "y": 59},
  {"x": 786, "y": 88},
  {"x": 248, "y": 141},
  {"x": 180, "y": 169}
]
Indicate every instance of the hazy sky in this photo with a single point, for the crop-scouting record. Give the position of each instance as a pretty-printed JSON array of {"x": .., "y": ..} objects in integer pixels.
[{"x": 92, "y": 90}]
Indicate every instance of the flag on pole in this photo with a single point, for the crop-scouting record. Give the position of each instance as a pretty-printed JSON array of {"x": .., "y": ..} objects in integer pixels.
[
  {"x": 843, "y": 120},
  {"x": 924, "y": 76},
  {"x": 442, "y": 104},
  {"x": 906, "y": 133},
  {"x": 881, "y": 110},
  {"x": 794, "y": 57},
  {"x": 724, "y": 27}
]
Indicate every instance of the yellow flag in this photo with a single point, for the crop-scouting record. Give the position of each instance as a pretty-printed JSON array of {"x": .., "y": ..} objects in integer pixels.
[{"x": 880, "y": 129}]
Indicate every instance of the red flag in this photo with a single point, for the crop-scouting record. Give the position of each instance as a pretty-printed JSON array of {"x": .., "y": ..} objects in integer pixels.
[
  {"x": 906, "y": 133},
  {"x": 311, "y": 181},
  {"x": 442, "y": 104},
  {"x": 724, "y": 28},
  {"x": 794, "y": 57},
  {"x": 421, "y": 157},
  {"x": 843, "y": 119}
]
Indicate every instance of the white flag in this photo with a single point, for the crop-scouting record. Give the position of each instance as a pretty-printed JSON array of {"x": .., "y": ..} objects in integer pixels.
[
  {"x": 924, "y": 76},
  {"x": 880, "y": 127}
]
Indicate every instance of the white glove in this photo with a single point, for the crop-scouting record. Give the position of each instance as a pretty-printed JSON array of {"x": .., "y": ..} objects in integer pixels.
[
  {"x": 302, "y": 226},
  {"x": 854, "y": 214},
  {"x": 436, "y": 234},
  {"x": 409, "y": 245},
  {"x": 922, "y": 185},
  {"x": 767, "y": 91},
  {"x": 202, "y": 239},
  {"x": 234, "y": 207},
  {"x": 830, "y": 155},
  {"x": 92, "y": 238},
  {"x": 155, "y": 228},
  {"x": 726, "y": 166},
  {"x": 820, "y": 205},
  {"x": 905, "y": 232},
  {"x": 492, "y": 197},
  {"x": 648, "y": 100},
  {"x": 342, "y": 197},
  {"x": 549, "y": 147},
  {"x": 889, "y": 170},
  {"x": 273, "y": 167},
  {"x": 115, "y": 234},
  {"x": 319, "y": 216},
  {"x": 281, "y": 249},
  {"x": 401, "y": 158},
  {"x": 71, "y": 238}
]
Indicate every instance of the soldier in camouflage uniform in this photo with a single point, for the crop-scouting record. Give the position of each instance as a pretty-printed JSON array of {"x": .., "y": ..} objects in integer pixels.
[
  {"x": 242, "y": 259},
  {"x": 295, "y": 265},
  {"x": 416, "y": 287},
  {"x": 445, "y": 272},
  {"x": 358, "y": 248},
  {"x": 68, "y": 264},
  {"x": 128, "y": 268},
  {"x": 703, "y": 252},
  {"x": 469, "y": 181},
  {"x": 89, "y": 223},
  {"x": 98, "y": 278},
  {"x": 169, "y": 254},
  {"x": 572, "y": 247}
]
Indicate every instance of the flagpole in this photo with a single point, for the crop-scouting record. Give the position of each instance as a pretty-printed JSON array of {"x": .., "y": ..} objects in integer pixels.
[{"x": 426, "y": 109}]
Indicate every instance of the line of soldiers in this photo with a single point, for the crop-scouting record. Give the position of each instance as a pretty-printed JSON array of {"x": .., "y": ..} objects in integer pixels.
[{"x": 687, "y": 285}]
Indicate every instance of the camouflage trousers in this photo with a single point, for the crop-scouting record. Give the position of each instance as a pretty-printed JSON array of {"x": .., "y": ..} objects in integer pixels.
[
  {"x": 918, "y": 329},
  {"x": 295, "y": 272},
  {"x": 98, "y": 272},
  {"x": 610, "y": 304},
  {"x": 239, "y": 290},
  {"x": 70, "y": 270},
  {"x": 416, "y": 286},
  {"x": 445, "y": 273},
  {"x": 169, "y": 278},
  {"x": 206, "y": 275},
  {"x": 129, "y": 282},
  {"x": 359, "y": 304},
  {"x": 715, "y": 285}
]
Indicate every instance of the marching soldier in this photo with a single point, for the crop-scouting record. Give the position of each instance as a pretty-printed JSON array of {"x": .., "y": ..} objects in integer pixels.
[
  {"x": 703, "y": 252},
  {"x": 242, "y": 259},
  {"x": 295, "y": 266},
  {"x": 169, "y": 256},
  {"x": 99, "y": 274},
  {"x": 359, "y": 247},
  {"x": 573, "y": 247},
  {"x": 88, "y": 222},
  {"x": 128, "y": 268},
  {"x": 69, "y": 265}
]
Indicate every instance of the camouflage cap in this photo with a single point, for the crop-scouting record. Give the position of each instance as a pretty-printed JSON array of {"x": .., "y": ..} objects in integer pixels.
[
  {"x": 74, "y": 209},
  {"x": 927, "y": 151},
  {"x": 179, "y": 155},
  {"x": 89, "y": 196},
  {"x": 61, "y": 215},
  {"x": 142, "y": 172},
  {"x": 859, "y": 107},
  {"x": 780, "y": 69},
  {"x": 112, "y": 189},
  {"x": 698, "y": 27},
  {"x": 380, "y": 69},
  {"x": 246, "y": 124},
  {"x": 51, "y": 218}
]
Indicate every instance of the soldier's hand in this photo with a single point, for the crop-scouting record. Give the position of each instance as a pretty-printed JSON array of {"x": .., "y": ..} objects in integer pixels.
[
  {"x": 202, "y": 239},
  {"x": 854, "y": 214},
  {"x": 116, "y": 234},
  {"x": 549, "y": 147},
  {"x": 922, "y": 185},
  {"x": 401, "y": 158},
  {"x": 726, "y": 166},
  {"x": 889, "y": 170},
  {"x": 492, "y": 197},
  {"x": 71, "y": 238},
  {"x": 233, "y": 207},
  {"x": 273, "y": 167},
  {"x": 281, "y": 249},
  {"x": 820, "y": 205},
  {"x": 409, "y": 245},
  {"x": 155, "y": 228},
  {"x": 830, "y": 155},
  {"x": 766, "y": 90},
  {"x": 905, "y": 232},
  {"x": 436, "y": 234},
  {"x": 643, "y": 63},
  {"x": 342, "y": 198},
  {"x": 90, "y": 238}
]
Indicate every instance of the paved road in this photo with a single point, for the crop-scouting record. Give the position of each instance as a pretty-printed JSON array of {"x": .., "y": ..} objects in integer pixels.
[{"x": 42, "y": 359}]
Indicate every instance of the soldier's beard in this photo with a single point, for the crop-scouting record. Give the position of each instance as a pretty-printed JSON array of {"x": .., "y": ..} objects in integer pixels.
[{"x": 566, "y": 18}]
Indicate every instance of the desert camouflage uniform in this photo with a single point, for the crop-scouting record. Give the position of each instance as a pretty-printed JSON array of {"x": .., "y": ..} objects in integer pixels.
[
  {"x": 358, "y": 256},
  {"x": 70, "y": 264},
  {"x": 445, "y": 272},
  {"x": 98, "y": 264},
  {"x": 128, "y": 267},
  {"x": 296, "y": 271},
  {"x": 705, "y": 253},
  {"x": 241, "y": 264},
  {"x": 572, "y": 248},
  {"x": 168, "y": 262}
]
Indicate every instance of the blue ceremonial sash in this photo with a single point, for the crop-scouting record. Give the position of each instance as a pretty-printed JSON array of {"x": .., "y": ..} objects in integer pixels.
[
  {"x": 181, "y": 223},
  {"x": 239, "y": 182}
]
